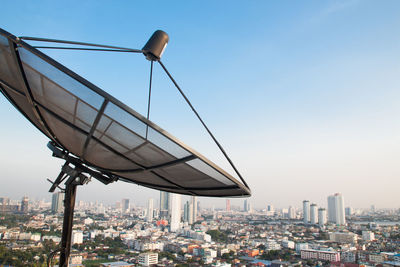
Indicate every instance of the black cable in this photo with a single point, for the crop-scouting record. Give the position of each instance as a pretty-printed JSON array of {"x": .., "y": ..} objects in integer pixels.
[
  {"x": 82, "y": 48},
  {"x": 202, "y": 122},
  {"x": 77, "y": 43},
  {"x": 148, "y": 103}
]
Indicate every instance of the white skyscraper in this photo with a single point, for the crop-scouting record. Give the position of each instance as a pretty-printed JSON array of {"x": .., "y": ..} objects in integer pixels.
[
  {"x": 313, "y": 214},
  {"x": 306, "y": 211},
  {"x": 175, "y": 211},
  {"x": 198, "y": 209},
  {"x": 336, "y": 213},
  {"x": 150, "y": 208},
  {"x": 193, "y": 210},
  {"x": 291, "y": 213},
  {"x": 321, "y": 216}
]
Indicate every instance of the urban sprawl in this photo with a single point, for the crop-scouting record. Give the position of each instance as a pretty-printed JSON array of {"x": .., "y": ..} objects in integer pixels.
[{"x": 168, "y": 232}]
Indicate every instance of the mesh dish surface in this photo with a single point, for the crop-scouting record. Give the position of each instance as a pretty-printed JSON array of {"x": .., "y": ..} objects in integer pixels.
[{"x": 101, "y": 131}]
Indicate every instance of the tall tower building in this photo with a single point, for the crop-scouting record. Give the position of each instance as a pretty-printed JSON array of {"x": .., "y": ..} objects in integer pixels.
[
  {"x": 306, "y": 211},
  {"x": 228, "y": 205},
  {"x": 150, "y": 208},
  {"x": 186, "y": 212},
  {"x": 125, "y": 205},
  {"x": 313, "y": 214},
  {"x": 193, "y": 210},
  {"x": 198, "y": 209},
  {"x": 321, "y": 216},
  {"x": 175, "y": 211},
  {"x": 348, "y": 211},
  {"x": 164, "y": 204},
  {"x": 4, "y": 201},
  {"x": 57, "y": 202},
  {"x": 245, "y": 205},
  {"x": 291, "y": 212},
  {"x": 118, "y": 206},
  {"x": 336, "y": 213},
  {"x": 24, "y": 204},
  {"x": 270, "y": 208},
  {"x": 331, "y": 209},
  {"x": 190, "y": 211}
]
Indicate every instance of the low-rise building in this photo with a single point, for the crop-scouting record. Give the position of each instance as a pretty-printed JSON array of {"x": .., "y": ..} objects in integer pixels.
[
  {"x": 116, "y": 264},
  {"x": 320, "y": 255},
  {"x": 368, "y": 235},
  {"x": 301, "y": 246},
  {"x": 271, "y": 244},
  {"x": 343, "y": 237},
  {"x": 36, "y": 237},
  {"x": 288, "y": 244},
  {"x": 348, "y": 256},
  {"x": 146, "y": 259},
  {"x": 77, "y": 237},
  {"x": 376, "y": 257}
]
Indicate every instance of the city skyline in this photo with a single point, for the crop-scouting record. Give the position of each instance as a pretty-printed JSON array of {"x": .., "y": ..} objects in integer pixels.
[
  {"x": 164, "y": 210},
  {"x": 305, "y": 97}
]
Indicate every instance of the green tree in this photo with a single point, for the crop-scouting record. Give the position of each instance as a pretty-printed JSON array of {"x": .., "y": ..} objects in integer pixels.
[{"x": 218, "y": 236}]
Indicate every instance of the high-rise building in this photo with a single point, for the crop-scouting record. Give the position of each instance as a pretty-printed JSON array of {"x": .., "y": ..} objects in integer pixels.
[
  {"x": 57, "y": 202},
  {"x": 249, "y": 207},
  {"x": 193, "y": 210},
  {"x": 331, "y": 209},
  {"x": 198, "y": 210},
  {"x": 336, "y": 213},
  {"x": 24, "y": 204},
  {"x": 175, "y": 211},
  {"x": 4, "y": 201},
  {"x": 190, "y": 211},
  {"x": 150, "y": 208},
  {"x": 321, "y": 216},
  {"x": 246, "y": 206},
  {"x": 270, "y": 208},
  {"x": 228, "y": 205},
  {"x": 164, "y": 204},
  {"x": 306, "y": 211},
  {"x": 118, "y": 206},
  {"x": 125, "y": 205},
  {"x": 270, "y": 211},
  {"x": 186, "y": 212},
  {"x": 313, "y": 214},
  {"x": 349, "y": 211},
  {"x": 291, "y": 212}
]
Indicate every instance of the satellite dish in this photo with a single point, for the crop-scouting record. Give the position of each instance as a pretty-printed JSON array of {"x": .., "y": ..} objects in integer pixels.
[{"x": 96, "y": 134}]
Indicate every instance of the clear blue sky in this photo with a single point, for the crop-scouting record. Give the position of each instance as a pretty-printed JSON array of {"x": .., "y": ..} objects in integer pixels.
[{"x": 303, "y": 95}]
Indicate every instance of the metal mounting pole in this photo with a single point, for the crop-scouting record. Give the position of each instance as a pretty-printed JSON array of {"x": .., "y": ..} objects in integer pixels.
[
  {"x": 69, "y": 205},
  {"x": 77, "y": 174}
]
